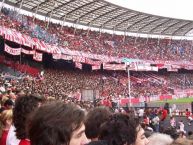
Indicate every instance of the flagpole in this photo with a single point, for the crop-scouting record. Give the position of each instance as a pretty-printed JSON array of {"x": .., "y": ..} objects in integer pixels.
[
  {"x": 129, "y": 86},
  {"x": 20, "y": 55}
]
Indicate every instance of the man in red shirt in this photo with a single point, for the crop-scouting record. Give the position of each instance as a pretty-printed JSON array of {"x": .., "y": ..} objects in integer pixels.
[
  {"x": 164, "y": 114},
  {"x": 189, "y": 117}
]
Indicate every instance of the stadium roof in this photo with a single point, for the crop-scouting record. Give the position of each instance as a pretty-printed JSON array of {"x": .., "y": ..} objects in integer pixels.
[{"x": 102, "y": 14}]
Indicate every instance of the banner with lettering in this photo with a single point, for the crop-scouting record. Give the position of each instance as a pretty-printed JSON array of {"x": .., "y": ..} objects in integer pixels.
[
  {"x": 38, "y": 56},
  {"x": 29, "y": 52},
  {"x": 12, "y": 51}
]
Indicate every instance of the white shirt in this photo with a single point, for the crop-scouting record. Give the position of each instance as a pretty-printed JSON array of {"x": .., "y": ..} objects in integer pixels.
[
  {"x": 141, "y": 112},
  {"x": 2, "y": 89},
  {"x": 11, "y": 137},
  {"x": 182, "y": 127}
]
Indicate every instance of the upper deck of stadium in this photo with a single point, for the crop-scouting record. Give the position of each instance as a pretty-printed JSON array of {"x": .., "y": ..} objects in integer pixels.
[{"x": 105, "y": 15}]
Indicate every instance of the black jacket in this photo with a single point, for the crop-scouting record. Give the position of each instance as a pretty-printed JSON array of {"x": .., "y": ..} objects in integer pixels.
[{"x": 100, "y": 142}]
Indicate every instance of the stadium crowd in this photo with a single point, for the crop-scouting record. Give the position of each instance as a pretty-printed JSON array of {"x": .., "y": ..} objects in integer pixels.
[
  {"x": 110, "y": 84},
  {"x": 96, "y": 42},
  {"x": 30, "y": 113},
  {"x": 58, "y": 83},
  {"x": 78, "y": 124}
]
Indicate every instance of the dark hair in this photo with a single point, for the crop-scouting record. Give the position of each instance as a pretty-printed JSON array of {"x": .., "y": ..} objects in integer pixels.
[
  {"x": 172, "y": 132},
  {"x": 8, "y": 102},
  {"x": 120, "y": 129},
  {"x": 94, "y": 119},
  {"x": 24, "y": 105},
  {"x": 54, "y": 123}
]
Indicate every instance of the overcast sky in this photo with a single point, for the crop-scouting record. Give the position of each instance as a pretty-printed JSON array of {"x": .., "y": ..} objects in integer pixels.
[{"x": 182, "y": 9}]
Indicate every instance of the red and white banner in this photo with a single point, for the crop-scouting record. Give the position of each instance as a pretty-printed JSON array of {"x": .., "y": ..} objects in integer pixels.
[
  {"x": 96, "y": 67},
  {"x": 92, "y": 62},
  {"x": 62, "y": 56},
  {"x": 38, "y": 56},
  {"x": 78, "y": 59},
  {"x": 190, "y": 67},
  {"x": 40, "y": 45},
  {"x": 18, "y": 37},
  {"x": 12, "y": 51},
  {"x": 169, "y": 68},
  {"x": 114, "y": 66},
  {"x": 29, "y": 52},
  {"x": 28, "y": 41},
  {"x": 146, "y": 68},
  {"x": 78, "y": 65},
  {"x": 175, "y": 66},
  {"x": 66, "y": 57}
]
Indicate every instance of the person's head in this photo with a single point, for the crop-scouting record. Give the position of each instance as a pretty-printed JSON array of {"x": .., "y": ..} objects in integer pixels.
[
  {"x": 6, "y": 117},
  {"x": 120, "y": 129},
  {"x": 190, "y": 135},
  {"x": 57, "y": 124},
  {"x": 9, "y": 104},
  {"x": 172, "y": 132},
  {"x": 24, "y": 105},
  {"x": 182, "y": 141},
  {"x": 12, "y": 96},
  {"x": 160, "y": 139},
  {"x": 94, "y": 119}
]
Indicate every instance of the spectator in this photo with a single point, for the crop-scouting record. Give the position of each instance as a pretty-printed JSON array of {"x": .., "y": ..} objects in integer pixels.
[
  {"x": 120, "y": 129},
  {"x": 24, "y": 105},
  {"x": 6, "y": 121},
  {"x": 64, "y": 124},
  {"x": 182, "y": 141},
  {"x": 160, "y": 139},
  {"x": 94, "y": 119}
]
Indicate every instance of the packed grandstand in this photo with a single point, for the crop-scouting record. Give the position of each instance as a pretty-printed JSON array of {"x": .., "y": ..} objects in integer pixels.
[{"x": 94, "y": 68}]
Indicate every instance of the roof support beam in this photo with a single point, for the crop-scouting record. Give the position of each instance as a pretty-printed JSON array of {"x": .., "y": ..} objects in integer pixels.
[
  {"x": 148, "y": 24},
  {"x": 2, "y": 4},
  {"x": 127, "y": 19},
  {"x": 104, "y": 15},
  {"x": 36, "y": 12},
  {"x": 156, "y": 26},
  {"x": 170, "y": 26},
  {"x": 181, "y": 28},
  {"x": 92, "y": 11},
  {"x": 138, "y": 21},
  {"x": 40, "y": 4},
  {"x": 80, "y": 7},
  {"x": 115, "y": 17},
  {"x": 59, "y": 7},
  {"x": 20, "y": 6},
  {"x": 188, "y": 30}
]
